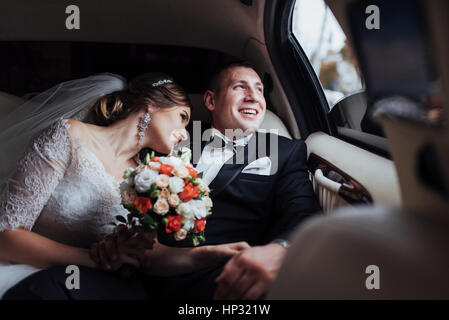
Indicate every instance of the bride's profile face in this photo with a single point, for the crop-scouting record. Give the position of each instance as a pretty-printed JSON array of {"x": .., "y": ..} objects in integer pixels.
[{"x": 167, "y": 128}]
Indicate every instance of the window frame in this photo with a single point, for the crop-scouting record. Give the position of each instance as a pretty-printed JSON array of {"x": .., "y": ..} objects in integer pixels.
[{"x": 294, "y": 69}]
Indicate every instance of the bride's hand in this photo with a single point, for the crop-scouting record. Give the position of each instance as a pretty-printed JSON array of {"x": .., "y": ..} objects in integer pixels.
[{"x": 125, "y": 246}]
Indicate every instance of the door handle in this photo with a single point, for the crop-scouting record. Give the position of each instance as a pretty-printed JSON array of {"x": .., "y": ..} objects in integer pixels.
[
  {"x": 326, "y": 182},
  {"x": 337, "y": 181}
]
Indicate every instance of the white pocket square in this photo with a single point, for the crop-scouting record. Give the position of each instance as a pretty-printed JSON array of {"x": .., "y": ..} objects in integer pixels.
[{"x": 261, "y": 166}]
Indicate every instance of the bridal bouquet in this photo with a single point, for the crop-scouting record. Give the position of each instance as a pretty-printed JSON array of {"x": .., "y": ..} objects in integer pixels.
[{"x": 168, "y": 195}]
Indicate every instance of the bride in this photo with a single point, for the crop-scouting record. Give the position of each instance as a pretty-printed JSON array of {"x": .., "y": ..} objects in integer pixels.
[{"x": 60, "y": 175}]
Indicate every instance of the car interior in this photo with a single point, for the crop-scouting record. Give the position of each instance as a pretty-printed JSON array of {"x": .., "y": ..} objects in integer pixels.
[{"x": 379, "y": 175}]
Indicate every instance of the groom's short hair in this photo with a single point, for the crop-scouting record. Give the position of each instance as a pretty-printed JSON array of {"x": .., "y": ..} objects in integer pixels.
[{"x": 217, "y": 77}]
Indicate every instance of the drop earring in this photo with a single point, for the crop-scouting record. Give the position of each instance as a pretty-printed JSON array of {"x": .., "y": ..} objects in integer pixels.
[{"x": 143, "y": 126}]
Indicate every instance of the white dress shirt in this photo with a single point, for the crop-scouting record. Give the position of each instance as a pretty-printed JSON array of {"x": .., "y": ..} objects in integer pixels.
[{"x": 213, "y": 157}]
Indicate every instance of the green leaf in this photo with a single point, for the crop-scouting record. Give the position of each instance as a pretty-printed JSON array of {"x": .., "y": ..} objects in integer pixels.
[
  {"x": 147, "y": 159},
  {"x": 149, "y": 222},
  {"x": 154, "y": 194},
  {"x": 200, "y": 175}
]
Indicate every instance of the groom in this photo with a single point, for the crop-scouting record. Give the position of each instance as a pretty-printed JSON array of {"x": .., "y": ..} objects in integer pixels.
[{"x": 260, "y": 190}]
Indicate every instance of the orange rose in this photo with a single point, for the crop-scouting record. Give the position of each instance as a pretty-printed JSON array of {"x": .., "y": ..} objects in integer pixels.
[
  {"x": 200, "y": 225},
  {"x": 173, "y": 224},
  {"x": 192, "y": 172},
  {"x": 142, "y": 204},
  {"x": 166, "y": 169},
  {"x": 190, "y": 192}
]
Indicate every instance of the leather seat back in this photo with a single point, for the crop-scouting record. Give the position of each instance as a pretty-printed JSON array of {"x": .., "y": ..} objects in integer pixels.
[{"x": 330, "y": 255}]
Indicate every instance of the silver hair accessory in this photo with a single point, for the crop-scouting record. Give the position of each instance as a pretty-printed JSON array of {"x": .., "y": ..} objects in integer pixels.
[
  {"x": 161, "y": 82},
  {"x": 143, "y": 125}
]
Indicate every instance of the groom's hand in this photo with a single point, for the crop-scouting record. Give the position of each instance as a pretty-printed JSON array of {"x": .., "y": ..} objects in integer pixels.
[{"x": 248, "y": 275}]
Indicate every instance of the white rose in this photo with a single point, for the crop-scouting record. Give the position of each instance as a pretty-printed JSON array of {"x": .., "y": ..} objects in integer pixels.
[
  {"x": 192, "y": 210},
  {"x": 199, "y": 208},
  {"x": 162, "y": 181},
  {"x": 188, "y": 224},
  {"x": 186, "y": 155},
  {"x": 173, "y": 161},
  {"x": 144, "y": 180},
  {"x": 186, "y": 211},
  {"x": 181, "y": 172},
  {"x": 176, "y": 184},
  {"x": 161, "y": 207},
  {"x": 207, "y": 202},
  {"x": 180, "y": 234},
  {"x": 173, "y": 200},
  {"x": 154, "y": 165}
]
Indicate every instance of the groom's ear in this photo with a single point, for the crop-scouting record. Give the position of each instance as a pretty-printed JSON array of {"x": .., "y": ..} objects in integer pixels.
[{"x": 209, "y": 100}]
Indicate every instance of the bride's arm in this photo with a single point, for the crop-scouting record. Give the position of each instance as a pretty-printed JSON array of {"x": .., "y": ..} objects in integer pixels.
[
  {"x": 26, "y": 193},
  {"x": 163, "y": 260},
  {"x": 27, "y": 247}
]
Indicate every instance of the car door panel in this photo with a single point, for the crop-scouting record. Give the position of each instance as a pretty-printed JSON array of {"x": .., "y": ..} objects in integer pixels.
[{"x": 374, "y": 174}]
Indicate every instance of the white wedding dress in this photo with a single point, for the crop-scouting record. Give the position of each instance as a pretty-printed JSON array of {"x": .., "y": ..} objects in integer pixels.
[{"x": 60, "y": 190}]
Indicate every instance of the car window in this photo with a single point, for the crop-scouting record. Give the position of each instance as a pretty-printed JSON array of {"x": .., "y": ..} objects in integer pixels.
[
  {"x": 324, "y": 43},
  {"x": 327, "y": 48}
]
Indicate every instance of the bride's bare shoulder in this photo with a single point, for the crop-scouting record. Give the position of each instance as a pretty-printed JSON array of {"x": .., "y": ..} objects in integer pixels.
[{"x": 77, "y": 128}]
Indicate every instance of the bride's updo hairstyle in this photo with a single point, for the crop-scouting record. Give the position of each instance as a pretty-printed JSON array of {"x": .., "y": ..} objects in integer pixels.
[{"x": 149, "y": 88}]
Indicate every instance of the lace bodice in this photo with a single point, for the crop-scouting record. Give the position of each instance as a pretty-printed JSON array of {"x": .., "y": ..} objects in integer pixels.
[{"x": 61, "y": 190}]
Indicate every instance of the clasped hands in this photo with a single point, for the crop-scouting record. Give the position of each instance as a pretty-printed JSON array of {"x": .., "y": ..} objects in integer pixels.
[
  {"x": 124, "y": 246},
  {"x": 247, "y": 274}
]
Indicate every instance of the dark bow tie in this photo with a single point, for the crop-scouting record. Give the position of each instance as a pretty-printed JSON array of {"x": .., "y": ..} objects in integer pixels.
[{"x": 218, "y": 141}]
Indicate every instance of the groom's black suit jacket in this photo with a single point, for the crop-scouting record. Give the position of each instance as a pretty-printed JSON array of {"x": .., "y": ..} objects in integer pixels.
[{"x": 250, "y": 207}]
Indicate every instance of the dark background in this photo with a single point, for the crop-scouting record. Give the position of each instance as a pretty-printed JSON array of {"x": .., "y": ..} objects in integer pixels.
[{"x": 33, "y": 66}]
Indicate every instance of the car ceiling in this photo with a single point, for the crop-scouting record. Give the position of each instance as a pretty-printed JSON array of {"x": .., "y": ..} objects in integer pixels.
[{"x": 226, "y": 26}]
